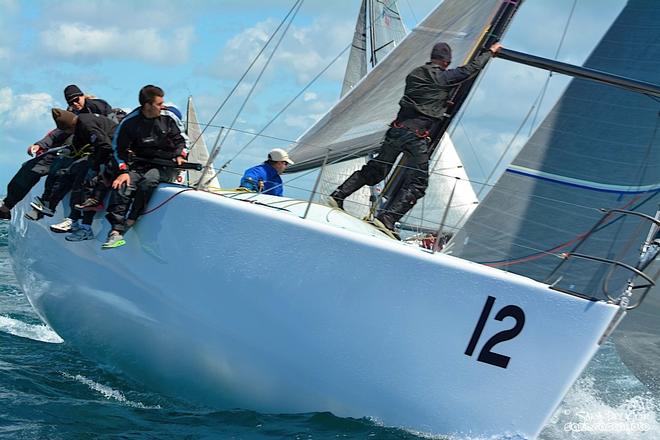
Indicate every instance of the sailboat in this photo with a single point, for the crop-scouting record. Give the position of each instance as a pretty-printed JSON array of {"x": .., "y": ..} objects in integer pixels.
[{"x": 189, "y": 308}]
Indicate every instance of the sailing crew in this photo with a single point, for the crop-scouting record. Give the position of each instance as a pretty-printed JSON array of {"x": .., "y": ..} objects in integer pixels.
[
  {"x": 44, "y": 151},
  {"x": 91, "y": 147},
  {"x": 423, "y": 104},
  {"x": 265, "y": 177},
  {"x": 157, "y": 144}
]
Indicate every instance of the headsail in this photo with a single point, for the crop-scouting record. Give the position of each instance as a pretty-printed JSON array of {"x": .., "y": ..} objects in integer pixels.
[
  {"x": 199, "y": 153},
  {"x": 356, "y": 125}
]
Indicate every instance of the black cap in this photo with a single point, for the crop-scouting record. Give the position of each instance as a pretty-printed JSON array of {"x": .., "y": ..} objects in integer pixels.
[
  {"x": 72, "y": 91},
  {"x": 441, "y": 51}
]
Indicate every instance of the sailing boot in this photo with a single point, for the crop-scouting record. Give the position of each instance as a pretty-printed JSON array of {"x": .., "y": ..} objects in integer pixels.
[
  {"x": 90, "y": 204},
  {"x": 40, "y": 206},
  {"x": 33, "y": 215},
  {"x": 401, "y": 204},
  {"x": 354, "y": 182},
  {"x": 84, "y": 232}
]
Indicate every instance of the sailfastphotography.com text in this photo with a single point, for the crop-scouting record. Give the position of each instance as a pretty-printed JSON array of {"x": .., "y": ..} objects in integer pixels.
[{"x": 587, "y": 422}]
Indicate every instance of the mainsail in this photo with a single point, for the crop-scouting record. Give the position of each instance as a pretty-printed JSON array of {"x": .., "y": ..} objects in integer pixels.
[{"x": 599, "y": 147}]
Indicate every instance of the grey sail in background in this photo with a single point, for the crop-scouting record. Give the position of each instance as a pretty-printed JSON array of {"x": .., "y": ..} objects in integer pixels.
[
  {"x": 357, "y": 124},
  {"x": 599, "y": 147},
  {"x": 387, "y": 28},
  {"x": 199, "y": 153},
  {"x": 357, "y": 60}
]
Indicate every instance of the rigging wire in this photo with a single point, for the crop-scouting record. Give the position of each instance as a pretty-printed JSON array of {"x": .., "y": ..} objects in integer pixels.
[
  {"x": 254, "y": 86},
  {"x": 547, "y": 80},
  {"x": 285, "y": 108},
  {"x": 240, "y": 80}
]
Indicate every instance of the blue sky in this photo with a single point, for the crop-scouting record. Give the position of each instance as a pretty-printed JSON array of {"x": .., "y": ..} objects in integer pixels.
[{"x": 200, "y": 48}]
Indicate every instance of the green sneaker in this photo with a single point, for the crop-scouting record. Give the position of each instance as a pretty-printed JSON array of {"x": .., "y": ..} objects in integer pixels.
[{"x": 115, "y": 240}]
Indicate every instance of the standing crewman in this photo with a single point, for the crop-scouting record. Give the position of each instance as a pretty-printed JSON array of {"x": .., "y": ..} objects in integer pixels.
[
  {"x": 423, "y": 105},
  {"x": 152, "y": 134}
]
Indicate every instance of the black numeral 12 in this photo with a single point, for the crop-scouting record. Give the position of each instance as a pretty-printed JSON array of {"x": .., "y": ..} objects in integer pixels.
[{"x": 486, "y": 355}]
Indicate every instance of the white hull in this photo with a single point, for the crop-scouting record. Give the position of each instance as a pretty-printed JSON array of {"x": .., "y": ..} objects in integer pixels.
[{"x": 236, "y": 304}]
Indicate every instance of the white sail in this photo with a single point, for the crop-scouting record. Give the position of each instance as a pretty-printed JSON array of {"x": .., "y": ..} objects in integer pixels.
[{"x": 199, "y": 153}]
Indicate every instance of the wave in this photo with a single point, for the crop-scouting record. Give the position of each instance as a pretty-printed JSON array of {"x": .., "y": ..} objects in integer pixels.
[
  {"x": 107, "y": 392},
  {"x": 36, "y": 332},
  {"x": 589, "y": 413}
]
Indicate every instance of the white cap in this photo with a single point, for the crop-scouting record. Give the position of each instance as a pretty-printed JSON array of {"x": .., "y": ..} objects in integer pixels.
[{"x": 278, "y": 155}]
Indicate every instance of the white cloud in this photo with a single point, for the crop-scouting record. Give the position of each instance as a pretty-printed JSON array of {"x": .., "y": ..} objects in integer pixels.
[
  {"x": 310, "y": 96},
  {"x": 24, "y": 109},
  {"x": 303, "y": 53},
  {"x": 77, "y": 40}
]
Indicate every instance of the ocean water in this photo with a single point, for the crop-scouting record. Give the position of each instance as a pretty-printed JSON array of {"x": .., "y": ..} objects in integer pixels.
[{"x": 50, "y": 391}]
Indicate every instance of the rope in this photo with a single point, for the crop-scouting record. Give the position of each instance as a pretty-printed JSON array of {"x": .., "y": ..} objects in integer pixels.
[{"x": 167, "y": 200}]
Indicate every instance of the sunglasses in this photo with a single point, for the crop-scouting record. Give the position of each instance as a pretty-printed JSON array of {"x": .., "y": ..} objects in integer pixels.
[{"x": 73, "y": 100}]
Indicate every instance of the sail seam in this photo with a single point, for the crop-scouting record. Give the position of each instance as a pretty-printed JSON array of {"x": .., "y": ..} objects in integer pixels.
[{"x": 580, "y": 183}]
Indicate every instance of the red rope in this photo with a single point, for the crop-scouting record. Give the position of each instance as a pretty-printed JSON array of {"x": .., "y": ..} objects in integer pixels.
[
  {"x": 161, "y": 204},
  {"x": 554, "y": 249}
]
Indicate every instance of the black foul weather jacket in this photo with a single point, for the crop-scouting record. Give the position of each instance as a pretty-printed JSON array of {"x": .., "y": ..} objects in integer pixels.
[
  {"x": 148, "y": 138},
  {"x": 427, "y": 89}
]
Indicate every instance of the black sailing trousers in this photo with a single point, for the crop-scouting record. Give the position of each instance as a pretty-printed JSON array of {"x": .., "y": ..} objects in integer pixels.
[
  {"x": 26, "y": 177},
  {"x": 143, "y": 183},
  {"x": 397, "y": 141}
]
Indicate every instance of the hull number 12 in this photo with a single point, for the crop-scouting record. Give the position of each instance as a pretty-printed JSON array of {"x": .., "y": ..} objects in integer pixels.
[{"x": 486, "y": 354}]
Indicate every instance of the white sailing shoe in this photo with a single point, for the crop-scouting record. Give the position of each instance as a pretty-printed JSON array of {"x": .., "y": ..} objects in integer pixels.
[{"x": 66, "y": 225}]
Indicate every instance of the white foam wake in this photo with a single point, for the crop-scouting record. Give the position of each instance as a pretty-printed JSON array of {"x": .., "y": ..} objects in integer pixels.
[
  {"x": 108, "y": 392},
  {"x": 38, "y": 332},
  {"x": 585, "y": 415}
]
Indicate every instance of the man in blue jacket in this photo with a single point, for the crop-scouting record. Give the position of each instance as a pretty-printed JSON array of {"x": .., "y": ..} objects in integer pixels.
[{"x": 265, "y": 178}]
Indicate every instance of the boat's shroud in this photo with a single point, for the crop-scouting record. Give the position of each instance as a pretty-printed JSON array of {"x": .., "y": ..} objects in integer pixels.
[{"x": 242, "y": 305}]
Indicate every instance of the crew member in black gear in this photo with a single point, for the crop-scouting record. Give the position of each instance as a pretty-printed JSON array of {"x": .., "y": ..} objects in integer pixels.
[
  {"x": 91, "y": 147},
  {"x": 422, "y": 105},
  {"x": 151, "y": 133},
  {"x": 33, "y": 170}
]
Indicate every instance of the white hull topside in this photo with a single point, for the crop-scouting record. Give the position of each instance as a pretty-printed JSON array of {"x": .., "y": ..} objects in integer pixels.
[{"x": 240, "y": 305}]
